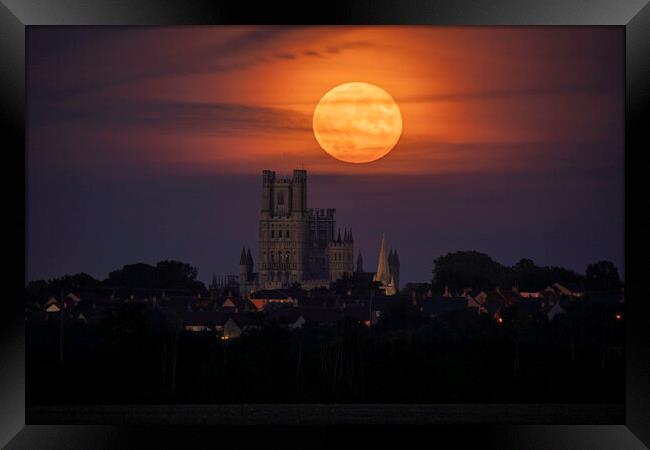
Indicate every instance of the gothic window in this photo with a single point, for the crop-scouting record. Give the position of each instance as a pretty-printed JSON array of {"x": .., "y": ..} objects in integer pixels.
[
  {"x": 280, "y": 198},
  {"x": 287, "y": 234},
  {"x": 272, "y": 234}
]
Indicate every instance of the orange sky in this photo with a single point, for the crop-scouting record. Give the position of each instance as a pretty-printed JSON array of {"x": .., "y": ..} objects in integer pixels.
[
  {"x": 147, "y": 143},
  {"x": 240, "y": 99}
]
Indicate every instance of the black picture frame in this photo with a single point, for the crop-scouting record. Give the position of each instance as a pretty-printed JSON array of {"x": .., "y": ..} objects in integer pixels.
[{"x": 516, "y": 425}]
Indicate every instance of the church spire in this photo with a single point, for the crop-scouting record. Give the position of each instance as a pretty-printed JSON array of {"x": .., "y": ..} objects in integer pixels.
[
  {"x": 382, "y": 275},
  {"x": 242, "y": 258}
]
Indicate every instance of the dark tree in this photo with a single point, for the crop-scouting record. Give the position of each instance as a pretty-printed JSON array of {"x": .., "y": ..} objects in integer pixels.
[
  {"x": 172, "y": 275},
  {"x": 138, "y": 275},
  {"x": 530, "y": 277},
  {"x": 40, "y": 290},
  {"x": 176, "y": 275},
  {"x": 603, "y": 276},
  {"x": 468, "y": 269}
]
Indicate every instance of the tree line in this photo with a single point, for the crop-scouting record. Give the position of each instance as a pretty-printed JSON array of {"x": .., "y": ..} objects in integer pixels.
[
  {"x": 169, "y": 275},
  {"x": 462, "y": 269}
]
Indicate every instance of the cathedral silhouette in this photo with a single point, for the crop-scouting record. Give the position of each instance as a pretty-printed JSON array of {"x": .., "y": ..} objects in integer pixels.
[{"x": 302, "y": 245}]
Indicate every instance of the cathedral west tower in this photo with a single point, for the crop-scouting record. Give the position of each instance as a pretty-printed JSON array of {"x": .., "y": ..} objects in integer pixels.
[
  {"x": 283, "y": 229},
  {"x": 298, "y": 244}
]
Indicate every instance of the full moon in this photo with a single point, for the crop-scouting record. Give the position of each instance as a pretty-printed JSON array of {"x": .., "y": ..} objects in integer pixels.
[{"x": 357, "y": 122}]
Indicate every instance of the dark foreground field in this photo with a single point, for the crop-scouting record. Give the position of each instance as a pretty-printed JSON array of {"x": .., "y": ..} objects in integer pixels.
[{"x": 283, "y": 414}]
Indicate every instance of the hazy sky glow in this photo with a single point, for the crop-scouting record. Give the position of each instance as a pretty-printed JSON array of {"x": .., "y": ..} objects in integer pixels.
[{"x": 147, "y": 143}]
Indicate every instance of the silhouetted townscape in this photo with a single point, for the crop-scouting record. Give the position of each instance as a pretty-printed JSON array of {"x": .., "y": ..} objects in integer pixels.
[{"x": 312, "y": 326}]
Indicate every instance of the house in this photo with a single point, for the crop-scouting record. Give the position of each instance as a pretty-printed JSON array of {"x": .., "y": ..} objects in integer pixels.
[
  {"x": 204, "y": 321},
  {"x": 475, "y": 305},
  {"x": 71, "y": 300},
  {"x": 90, "y": 317},
  {"x": 554, "y": 311},
  {"x": 230, "y": 326},
  {"x": 52, "y": 305},
  {"x": 550, "y": 295},
  {"x": 231, "y": 329},
  {"x": 479, "y": 296},
  {"x": 237, "y": 305},
  {"x": 496, "y": 297},
  {"x": 475, "y": 300},
  {"x": 274, "y": 296},
  {"x": 568, "y": 289},
  {"x": 319, "y": 317}
]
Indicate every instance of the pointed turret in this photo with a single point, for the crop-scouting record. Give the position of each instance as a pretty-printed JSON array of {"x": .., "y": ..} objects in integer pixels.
[
  {"x": 393, "y": 266},
  {"x": 245, "y": 270},
  {"x": 359, "y": 263},
  {"x": 249, "y": 260}
]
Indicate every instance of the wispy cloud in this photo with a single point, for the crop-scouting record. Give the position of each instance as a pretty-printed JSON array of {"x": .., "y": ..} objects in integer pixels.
[
  {"x": 587, "y": 88},
  {"x": 174, "y": 116},
  {"x": 141, "y": 61},
  {"x": 285, "y": 55}
]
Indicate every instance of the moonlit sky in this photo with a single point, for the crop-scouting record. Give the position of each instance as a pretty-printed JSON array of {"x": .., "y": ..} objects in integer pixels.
[{"x": 146, "y": 144}]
